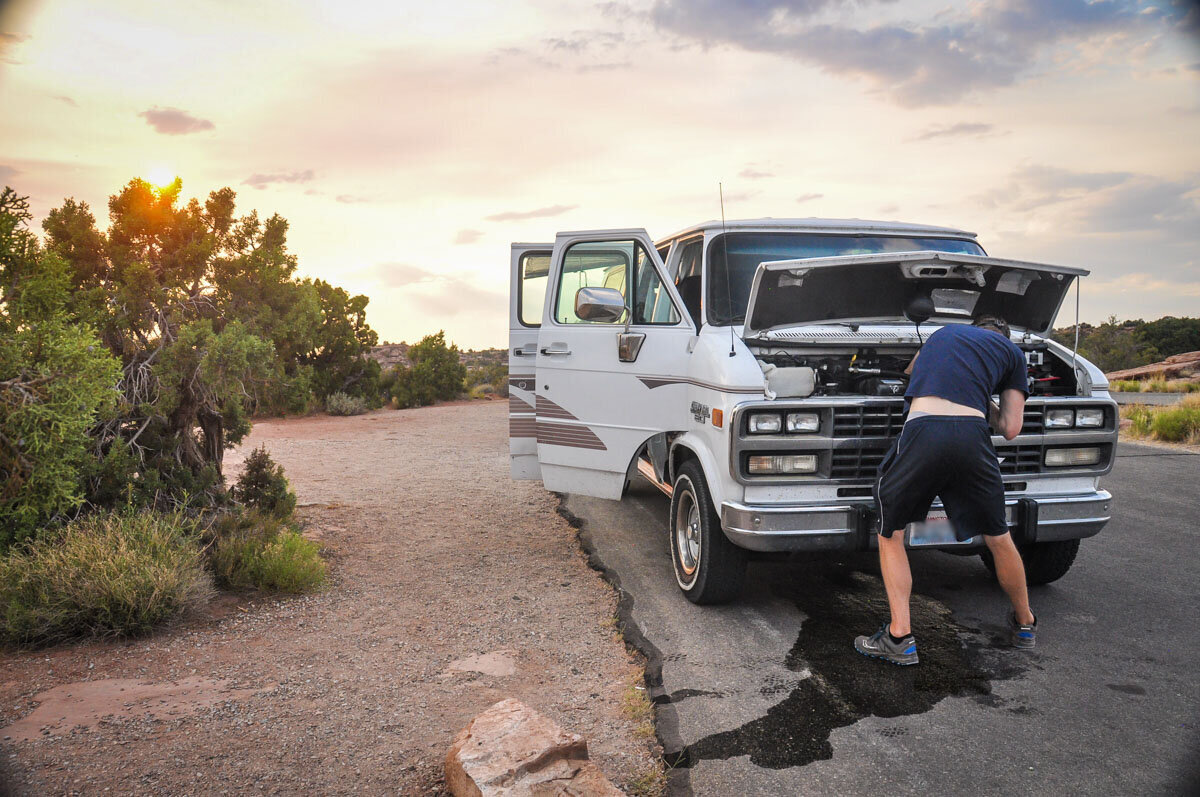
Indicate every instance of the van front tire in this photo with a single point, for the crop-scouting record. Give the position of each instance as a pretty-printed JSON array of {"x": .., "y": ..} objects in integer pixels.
[
  {"x": 1045, "y": 562},
  {"x": 708, "y": 567}
]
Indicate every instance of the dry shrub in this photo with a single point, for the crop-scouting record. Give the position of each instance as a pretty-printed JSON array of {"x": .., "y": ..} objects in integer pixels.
[
  {"x": 118, "y": 574},
  {"x": 341, "y": 404}
]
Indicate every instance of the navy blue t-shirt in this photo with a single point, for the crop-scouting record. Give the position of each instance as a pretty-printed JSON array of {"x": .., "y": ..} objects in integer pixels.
[{"x": 968, "y": 365}]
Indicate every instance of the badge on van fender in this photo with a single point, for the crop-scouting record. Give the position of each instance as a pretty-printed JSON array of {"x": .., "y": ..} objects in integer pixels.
[{"x": 700, "y": 412}]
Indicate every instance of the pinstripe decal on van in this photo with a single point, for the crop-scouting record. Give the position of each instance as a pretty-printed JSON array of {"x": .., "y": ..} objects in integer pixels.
[
  {"x": 571, "y": 435},
  {"x": 548, "y": 409},
  {"x": 652, "y": 382}
]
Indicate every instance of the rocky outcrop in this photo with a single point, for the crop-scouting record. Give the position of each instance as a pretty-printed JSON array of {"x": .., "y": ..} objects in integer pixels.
[
  {"x": 510, "y": 750},
  {"x": 1178, "y": 366}
]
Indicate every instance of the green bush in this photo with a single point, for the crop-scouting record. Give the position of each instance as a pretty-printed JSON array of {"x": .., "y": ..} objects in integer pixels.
[
  {"x": 263, "y": 486},
  {"x": 436, "y": 374},
  {"x": 1125, "y": 386},
  {"x": 117, "y": 574},
  {"x": 257, "y": 550},
  {"x": 1177, "y": 424},
  {"x": 341, "y": 404}
]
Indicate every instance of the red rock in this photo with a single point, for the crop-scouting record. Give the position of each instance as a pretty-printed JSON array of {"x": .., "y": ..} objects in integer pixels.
[
  {"x": 1176, "y": 365},
  {"x": 510, "y": 750}
]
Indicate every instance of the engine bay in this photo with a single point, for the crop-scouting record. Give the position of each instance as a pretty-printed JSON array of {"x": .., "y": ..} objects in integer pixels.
[{"x": 794, "y": 372}]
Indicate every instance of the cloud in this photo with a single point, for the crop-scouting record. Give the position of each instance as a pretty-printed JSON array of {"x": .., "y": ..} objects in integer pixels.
[
  {"x": 8, "y": 41},
  {"x": 401, "y": 275},
  {"x": 1141, "y": 282},
  {"x": 467, "y": 237},
  {"x": 174, "y": 122},
  {"x": 7, "y": 173},
  {"x": 63, "y": 98},
  {"x": 1104, "y": 203},
  {"x": 352, "y": 199},
  {"x": 983, "y": 46},
  {"x": 809, "y": 197},
  {"x": 263, "y": 180},
  {"x": 750, "y": 173},
  {"x": 439, "y": 295},
  {"x": 540, "y": 213},
  {"x": 1036, "y": 186},
  {"x": 959, "y": 130}
]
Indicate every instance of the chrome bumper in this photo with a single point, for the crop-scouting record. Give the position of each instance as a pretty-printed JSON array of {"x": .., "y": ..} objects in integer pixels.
[{"x": 851, "y": 526}]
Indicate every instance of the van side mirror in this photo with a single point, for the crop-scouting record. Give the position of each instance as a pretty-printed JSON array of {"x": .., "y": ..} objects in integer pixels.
[{"x": 605, "y": 305}]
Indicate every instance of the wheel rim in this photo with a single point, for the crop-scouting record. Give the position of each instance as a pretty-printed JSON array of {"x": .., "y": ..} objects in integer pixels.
[{"x": 687, "y": 535}]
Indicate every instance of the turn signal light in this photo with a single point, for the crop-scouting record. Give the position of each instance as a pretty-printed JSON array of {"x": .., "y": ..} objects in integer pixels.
[
  {"x": 1071, "y": 457},
  {"x": 783, "y": 464}
]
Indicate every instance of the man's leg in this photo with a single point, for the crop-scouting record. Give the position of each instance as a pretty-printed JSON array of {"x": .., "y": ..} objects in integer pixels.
[
  {"x": 897, "y": 580},
  {"x": 1010, "y": 572}
]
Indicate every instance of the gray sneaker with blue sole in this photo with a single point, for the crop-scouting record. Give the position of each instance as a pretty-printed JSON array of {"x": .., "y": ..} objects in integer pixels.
[
  {"x": 1024, "y": 637},
  {"x": 880, "y": 646}
]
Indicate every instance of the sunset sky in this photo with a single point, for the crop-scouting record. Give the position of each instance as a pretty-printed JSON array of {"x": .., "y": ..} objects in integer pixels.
[{"x": 408, "y": 144}]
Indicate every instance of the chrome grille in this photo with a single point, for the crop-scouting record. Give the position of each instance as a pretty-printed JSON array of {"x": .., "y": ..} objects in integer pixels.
[
  {"x": 855, "y": 463},
  {"x": 868, "y": 420},
  {"x": 863, "y": 463}
]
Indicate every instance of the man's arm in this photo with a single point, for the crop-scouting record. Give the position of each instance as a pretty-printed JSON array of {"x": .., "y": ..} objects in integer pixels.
[{"x": 1009, "y": 417}]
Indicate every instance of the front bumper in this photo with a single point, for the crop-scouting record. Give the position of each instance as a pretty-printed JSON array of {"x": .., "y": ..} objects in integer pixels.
[{"x": 852, "y": 526}]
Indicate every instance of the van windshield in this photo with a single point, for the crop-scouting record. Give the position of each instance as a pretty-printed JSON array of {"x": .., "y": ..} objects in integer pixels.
[{"x": 734, "y": 257}]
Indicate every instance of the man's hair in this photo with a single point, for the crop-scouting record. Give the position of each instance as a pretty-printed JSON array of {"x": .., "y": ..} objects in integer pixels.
[{"x": 992, "y": 322}]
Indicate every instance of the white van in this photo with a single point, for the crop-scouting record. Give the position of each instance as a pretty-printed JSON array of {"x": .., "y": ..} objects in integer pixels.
[{"x": 753, "y": 371}]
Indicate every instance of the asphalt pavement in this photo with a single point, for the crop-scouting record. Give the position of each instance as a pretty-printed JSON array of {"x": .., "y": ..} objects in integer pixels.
[
  {"x": 767, "y": 696},
  {"x": 1156, "y": 399}
]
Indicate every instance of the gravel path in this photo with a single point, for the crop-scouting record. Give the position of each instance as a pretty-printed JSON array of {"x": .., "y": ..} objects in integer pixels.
[{"x": 438, "y": 559}]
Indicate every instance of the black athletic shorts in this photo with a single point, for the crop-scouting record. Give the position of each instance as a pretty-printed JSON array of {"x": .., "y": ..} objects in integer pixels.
[{"x": 944, "y": 456}]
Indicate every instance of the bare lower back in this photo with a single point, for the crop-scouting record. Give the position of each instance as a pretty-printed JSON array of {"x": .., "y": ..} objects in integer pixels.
[{"x": 934, "y": 405}]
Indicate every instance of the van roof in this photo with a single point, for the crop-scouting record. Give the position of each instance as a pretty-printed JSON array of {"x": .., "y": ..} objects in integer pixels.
[{"x": 834, "y": 226}]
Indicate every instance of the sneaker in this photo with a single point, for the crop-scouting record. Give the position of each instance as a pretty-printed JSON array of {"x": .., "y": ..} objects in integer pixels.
[
  {"x": 1024, "y": 637},
  {"x": 880, "y": 646}
]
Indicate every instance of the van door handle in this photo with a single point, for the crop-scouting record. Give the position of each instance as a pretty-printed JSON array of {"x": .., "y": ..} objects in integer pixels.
[{"x": 557, "y": 348}]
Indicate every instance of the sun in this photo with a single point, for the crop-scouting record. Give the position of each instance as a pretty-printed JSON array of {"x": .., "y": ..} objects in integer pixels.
[{"x": 160, "y": 176}]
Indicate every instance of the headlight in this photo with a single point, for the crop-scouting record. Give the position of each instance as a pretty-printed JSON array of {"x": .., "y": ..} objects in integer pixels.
[
  {"x": 803, "y": 422},
  {"x": 1089, "y": 417},
  {"x": 783, "y": 463},
  {"x": 1071, "y": 457},
  {"x": 1060, "y": 419},
  {"x": 765, "y": 423}
]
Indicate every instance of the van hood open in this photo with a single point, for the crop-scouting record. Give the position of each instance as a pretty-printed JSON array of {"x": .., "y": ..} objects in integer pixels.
[{"x": 877, "y": 287}]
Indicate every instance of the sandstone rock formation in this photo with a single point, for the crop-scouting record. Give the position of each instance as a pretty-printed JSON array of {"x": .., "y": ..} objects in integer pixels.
[
  {"x": 510, "y": 750},
  {"x": 1178, "y": 366}
]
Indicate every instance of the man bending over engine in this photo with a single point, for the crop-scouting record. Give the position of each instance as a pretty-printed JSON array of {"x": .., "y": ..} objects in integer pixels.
[{"x": 945, "y": 450}]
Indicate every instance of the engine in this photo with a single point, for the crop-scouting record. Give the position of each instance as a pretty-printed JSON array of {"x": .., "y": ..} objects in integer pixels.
[{"x": 793, "y": 373}]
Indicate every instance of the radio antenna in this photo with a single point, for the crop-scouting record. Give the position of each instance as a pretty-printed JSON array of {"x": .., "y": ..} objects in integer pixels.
[{"x": 725, "y": 252}]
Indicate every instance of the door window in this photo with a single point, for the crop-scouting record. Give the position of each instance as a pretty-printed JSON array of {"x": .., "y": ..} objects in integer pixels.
[
  {"x": 653, "y": 304},
  {"x": 625, "y": 266},
  {"x": 534, "y": 273}
]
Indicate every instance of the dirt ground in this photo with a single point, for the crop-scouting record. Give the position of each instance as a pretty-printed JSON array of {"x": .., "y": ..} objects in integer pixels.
[{"x": 453, "y": 587}]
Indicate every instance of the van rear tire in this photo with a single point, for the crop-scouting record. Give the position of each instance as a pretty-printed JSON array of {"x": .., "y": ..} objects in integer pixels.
[{"x": 709, "y": 569}]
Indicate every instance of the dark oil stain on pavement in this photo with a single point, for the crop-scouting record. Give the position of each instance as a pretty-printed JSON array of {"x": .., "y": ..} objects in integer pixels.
[{"x": 840, "y": 603}]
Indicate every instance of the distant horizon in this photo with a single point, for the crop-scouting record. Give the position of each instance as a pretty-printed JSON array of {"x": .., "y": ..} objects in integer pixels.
[{"x": 406, "y": 151}]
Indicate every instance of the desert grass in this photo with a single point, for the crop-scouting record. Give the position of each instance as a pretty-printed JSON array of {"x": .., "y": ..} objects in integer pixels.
[
  {"x": 1177, "y": 424},
  {"x": 112, "y": 574},
  {"x": 1154, "y": 386}
]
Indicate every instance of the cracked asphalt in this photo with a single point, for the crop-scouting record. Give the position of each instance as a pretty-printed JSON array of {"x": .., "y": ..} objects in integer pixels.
[{"x": 766, "y": 696}]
